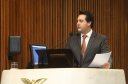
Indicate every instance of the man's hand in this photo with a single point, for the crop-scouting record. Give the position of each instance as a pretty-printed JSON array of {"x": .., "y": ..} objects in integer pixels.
[{"x": 106, "y": 65}]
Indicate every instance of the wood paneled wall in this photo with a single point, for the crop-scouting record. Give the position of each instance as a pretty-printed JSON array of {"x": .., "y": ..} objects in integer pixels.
[{"x": 50, "y": 21}]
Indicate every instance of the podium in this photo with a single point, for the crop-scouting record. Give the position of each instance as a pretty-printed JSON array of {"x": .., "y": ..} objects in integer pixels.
[{"x": 65, "y": 76}]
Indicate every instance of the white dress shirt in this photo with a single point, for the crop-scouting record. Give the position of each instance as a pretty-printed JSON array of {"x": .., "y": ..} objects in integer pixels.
[{"x": 87, "y": 38}]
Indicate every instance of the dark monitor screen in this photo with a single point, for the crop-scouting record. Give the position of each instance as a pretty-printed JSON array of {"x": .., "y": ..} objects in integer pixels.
[
  {"x": 57, "y": 58},
  {"x": 41, "y": 57}
]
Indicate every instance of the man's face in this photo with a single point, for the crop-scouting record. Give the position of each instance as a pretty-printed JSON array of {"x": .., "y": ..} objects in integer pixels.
[{"x": 82, "y": 24}]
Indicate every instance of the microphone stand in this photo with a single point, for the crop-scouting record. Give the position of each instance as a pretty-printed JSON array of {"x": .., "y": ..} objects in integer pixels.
[
  {"x": 58, "y": 44},
  {"x": 70, "y": 34}
]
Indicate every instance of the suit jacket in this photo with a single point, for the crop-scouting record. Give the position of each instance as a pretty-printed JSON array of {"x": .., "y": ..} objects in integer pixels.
[{"x": 97, "y": 44}]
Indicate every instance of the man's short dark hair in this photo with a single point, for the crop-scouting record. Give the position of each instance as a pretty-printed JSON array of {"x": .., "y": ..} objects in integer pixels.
[{"x": 89, "y": 16}]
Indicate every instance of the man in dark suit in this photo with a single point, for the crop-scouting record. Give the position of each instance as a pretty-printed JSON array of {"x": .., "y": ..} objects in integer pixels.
[{"x": 87, "y": 43}]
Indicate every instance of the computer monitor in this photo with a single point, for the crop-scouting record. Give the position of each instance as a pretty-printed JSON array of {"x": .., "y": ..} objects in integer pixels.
[{"x": 38, "y": 58}]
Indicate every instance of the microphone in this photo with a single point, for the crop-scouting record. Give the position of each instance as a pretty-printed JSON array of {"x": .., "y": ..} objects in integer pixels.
[{"x": 70, "y": 34}]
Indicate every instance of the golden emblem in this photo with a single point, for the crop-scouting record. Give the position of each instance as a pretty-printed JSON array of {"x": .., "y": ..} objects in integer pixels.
[{"x": 38, "y": 81}]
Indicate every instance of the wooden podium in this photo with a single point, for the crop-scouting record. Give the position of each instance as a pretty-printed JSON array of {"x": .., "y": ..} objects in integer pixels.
[{"x": 65, "y": 76}]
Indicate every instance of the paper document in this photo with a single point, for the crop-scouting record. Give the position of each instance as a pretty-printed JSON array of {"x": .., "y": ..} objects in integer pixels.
[{"x": 100, "y": 59}]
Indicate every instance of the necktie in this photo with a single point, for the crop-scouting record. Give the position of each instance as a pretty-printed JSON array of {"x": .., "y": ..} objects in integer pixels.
[{"x": 83, "y": 45}]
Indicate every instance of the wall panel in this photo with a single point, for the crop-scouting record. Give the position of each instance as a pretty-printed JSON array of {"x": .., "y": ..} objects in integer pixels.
[{"x": 50, "y": 21}]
